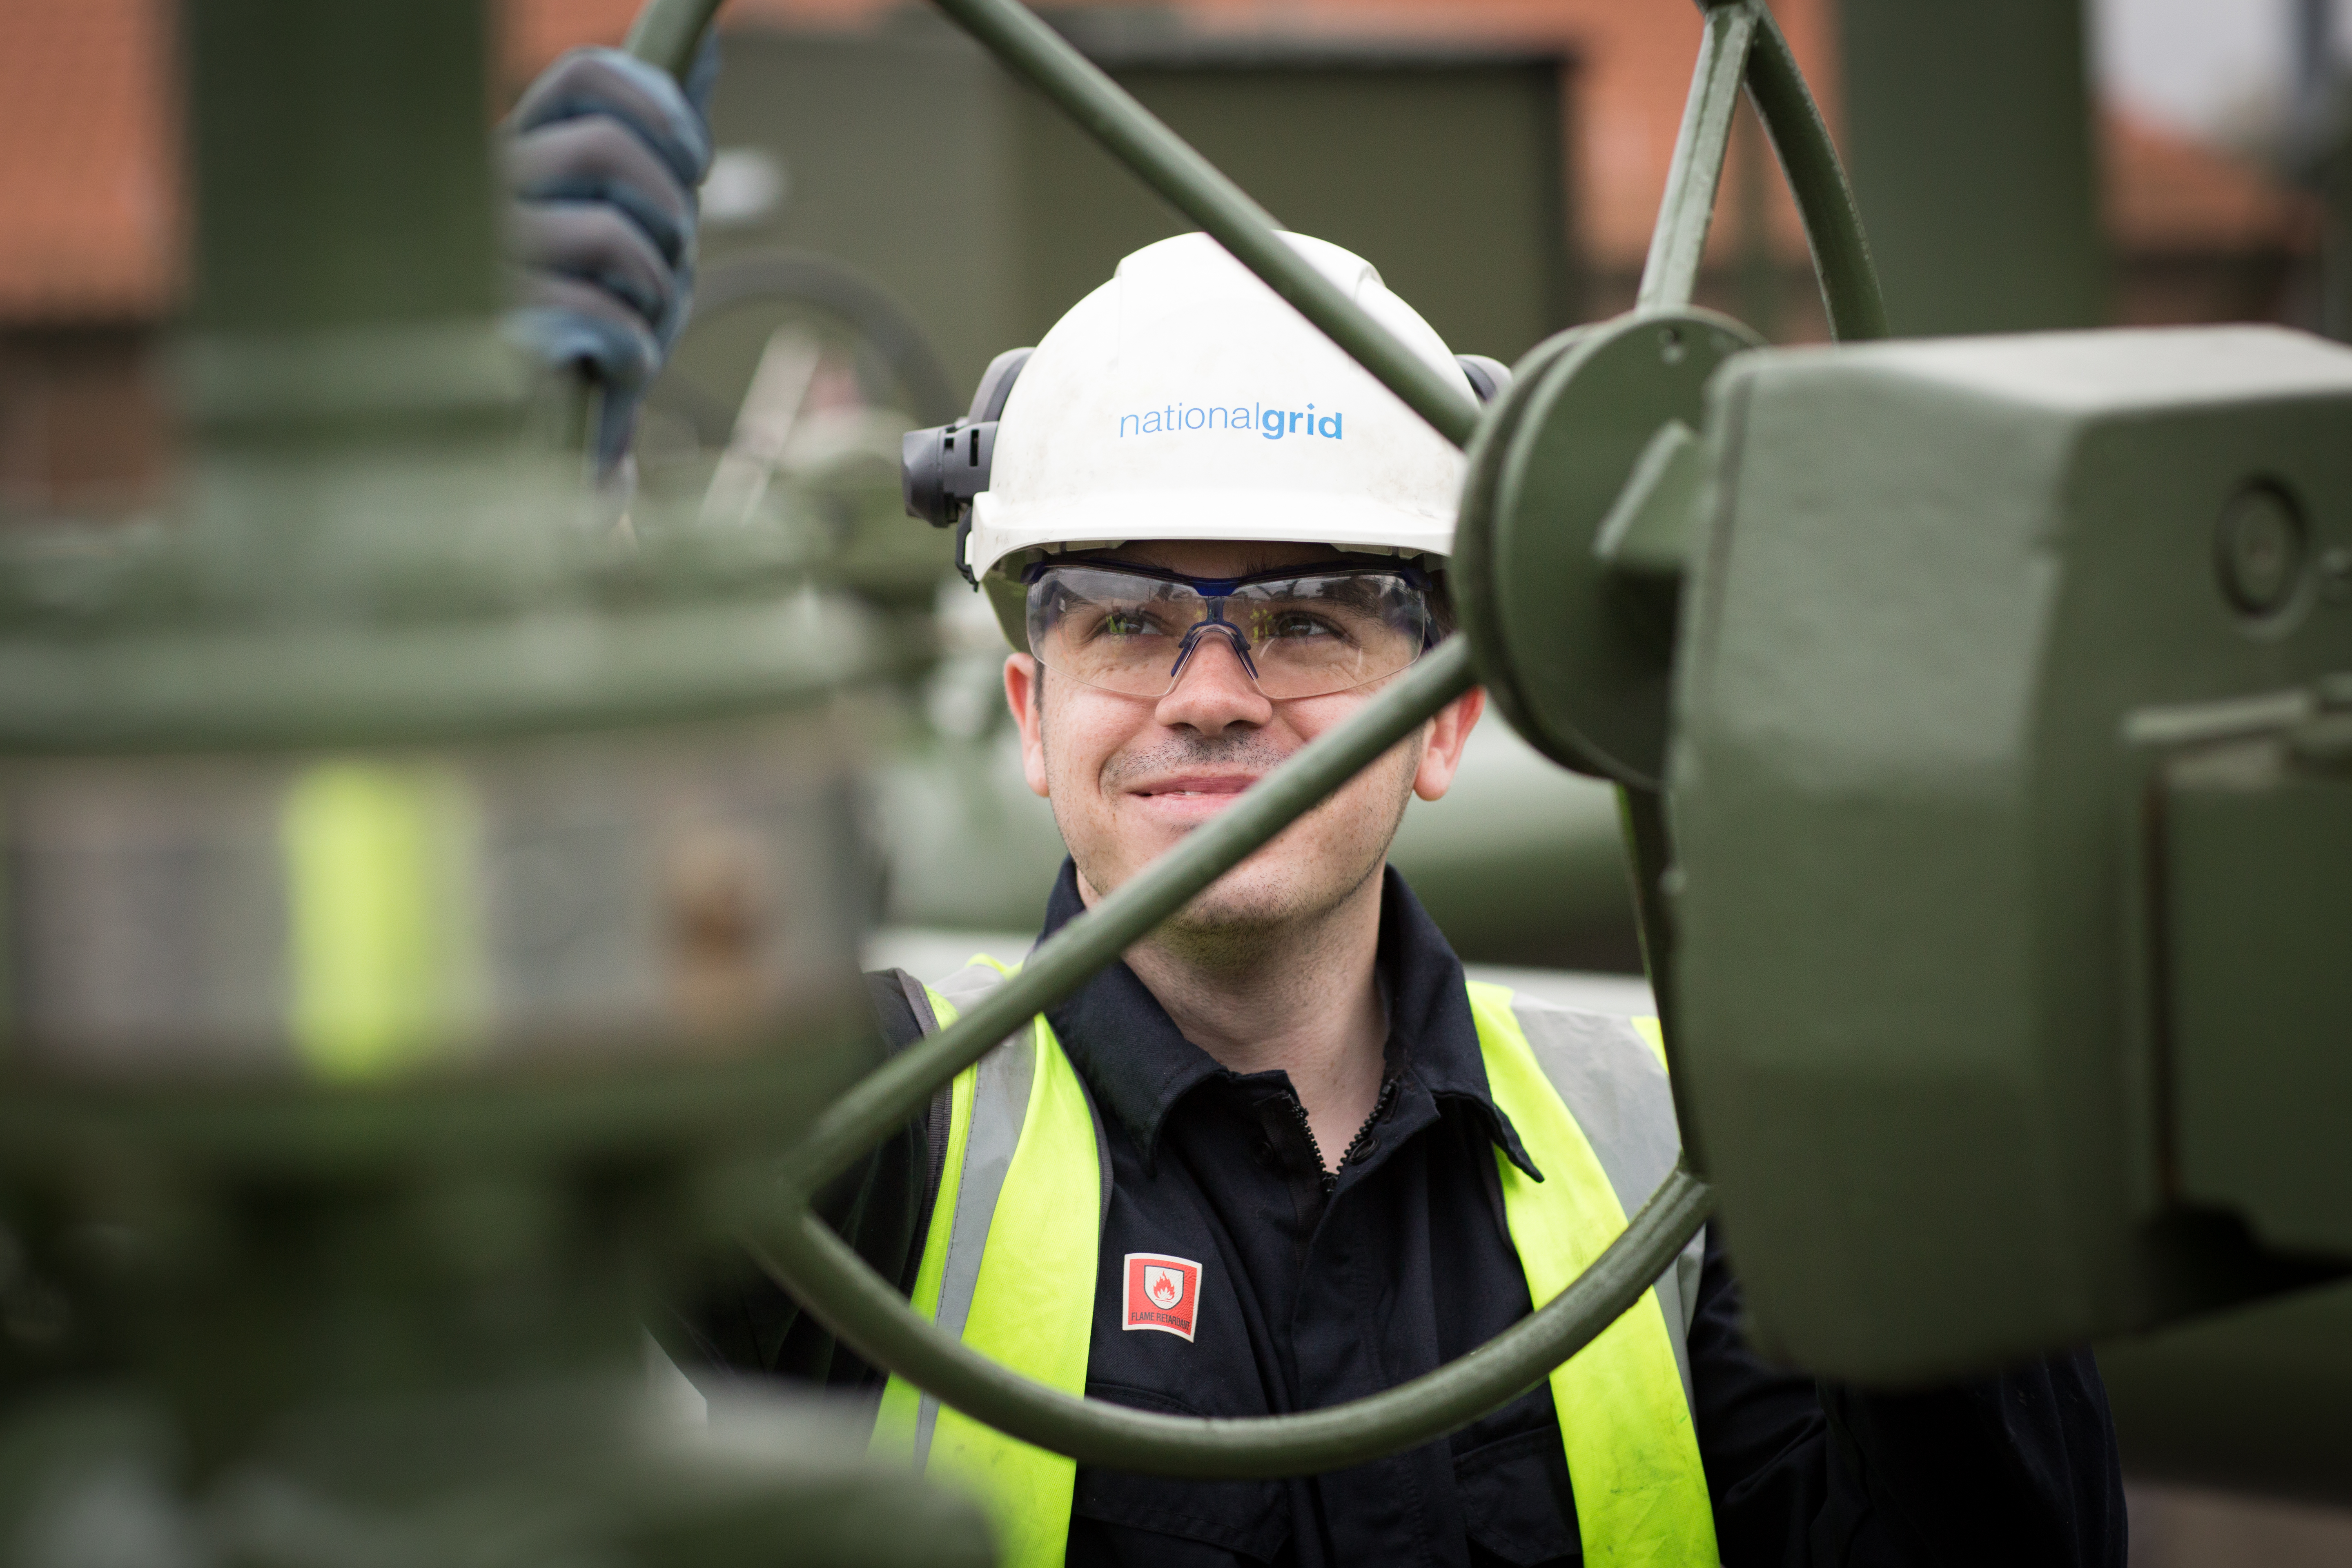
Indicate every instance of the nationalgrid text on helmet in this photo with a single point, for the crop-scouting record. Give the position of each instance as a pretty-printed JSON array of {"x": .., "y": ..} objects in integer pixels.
[{"x": 1273, "y": 423}]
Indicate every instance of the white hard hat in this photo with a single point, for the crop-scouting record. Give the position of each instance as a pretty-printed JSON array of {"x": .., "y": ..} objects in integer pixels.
[{"x": 1184, "y": 399}]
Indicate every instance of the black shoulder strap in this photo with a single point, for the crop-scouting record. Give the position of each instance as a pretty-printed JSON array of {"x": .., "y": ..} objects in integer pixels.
[{"x": 898, "y": 1034}]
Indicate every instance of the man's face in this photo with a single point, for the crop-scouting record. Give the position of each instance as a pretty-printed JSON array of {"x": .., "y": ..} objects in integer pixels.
[{"x": 1128, "y": 776}]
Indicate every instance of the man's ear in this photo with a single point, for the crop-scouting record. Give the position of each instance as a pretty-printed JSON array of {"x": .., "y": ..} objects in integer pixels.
[
  {"x": 1024, "y": 693},
  {"x": 1449, "y": 732}
]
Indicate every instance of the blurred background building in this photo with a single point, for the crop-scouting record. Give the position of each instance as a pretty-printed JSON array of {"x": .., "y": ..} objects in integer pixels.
[
  {"x": 863, "y": 129},
  {"x": 2018, "y": 165}
]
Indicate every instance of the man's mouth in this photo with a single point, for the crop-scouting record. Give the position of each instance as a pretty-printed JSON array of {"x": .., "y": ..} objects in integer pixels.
[{"x": 1196, "y": 787}]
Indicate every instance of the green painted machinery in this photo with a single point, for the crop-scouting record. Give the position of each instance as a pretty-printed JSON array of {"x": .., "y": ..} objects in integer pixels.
[
  {"x": 428, "y": 906},
  {"x": 411, "y": 866},
  {"x": 1975, "y": 708},
  {"x": 2015, "y": 835},
  {"x": 2011, "y": 684}
]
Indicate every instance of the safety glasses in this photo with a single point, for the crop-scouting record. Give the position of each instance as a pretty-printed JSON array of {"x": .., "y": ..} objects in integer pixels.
[{"x": 1133, "y": 629}]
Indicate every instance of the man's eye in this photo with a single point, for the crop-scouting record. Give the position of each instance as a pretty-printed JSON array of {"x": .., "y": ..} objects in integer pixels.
[
  {"x": 1294, "y": 624},
  {"x": 1124, "y": 624}
]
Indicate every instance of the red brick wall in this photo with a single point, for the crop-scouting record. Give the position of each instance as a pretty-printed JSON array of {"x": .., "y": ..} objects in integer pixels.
[{"x": 91, "y": 228}]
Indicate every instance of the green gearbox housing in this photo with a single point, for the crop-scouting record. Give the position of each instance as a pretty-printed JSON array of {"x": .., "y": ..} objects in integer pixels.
[{"x": 2013, "y": 828}]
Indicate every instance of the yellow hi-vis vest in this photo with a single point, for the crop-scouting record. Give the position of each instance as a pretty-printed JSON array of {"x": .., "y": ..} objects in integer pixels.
[{"x": 1009, "y": 1267}]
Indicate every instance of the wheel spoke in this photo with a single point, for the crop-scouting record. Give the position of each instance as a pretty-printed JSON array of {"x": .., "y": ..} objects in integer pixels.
[
  {"x": 1679, "y": 242},
  {"x": 873, "y": 1109},
  {"x": 1195, "y": 187},
  {"x": 1809, "y": 160},
  {"x": 667, "y": 32}
]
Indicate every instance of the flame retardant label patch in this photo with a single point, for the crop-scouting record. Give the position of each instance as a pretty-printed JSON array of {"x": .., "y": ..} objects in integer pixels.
[{"x": 1162, "y": 1292}]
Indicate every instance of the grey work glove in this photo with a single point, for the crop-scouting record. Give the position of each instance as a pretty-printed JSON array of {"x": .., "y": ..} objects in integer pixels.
[{"x": 603, "y": 157}]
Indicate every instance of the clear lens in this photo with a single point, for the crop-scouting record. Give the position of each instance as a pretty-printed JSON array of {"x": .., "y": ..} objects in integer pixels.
[{"x": 1308, "y": 636}]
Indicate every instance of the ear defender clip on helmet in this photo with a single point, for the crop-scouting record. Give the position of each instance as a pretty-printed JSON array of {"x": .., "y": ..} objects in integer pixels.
[
  {"x": 1489, "y": 378},
  {"x": 941, "y": 469}
]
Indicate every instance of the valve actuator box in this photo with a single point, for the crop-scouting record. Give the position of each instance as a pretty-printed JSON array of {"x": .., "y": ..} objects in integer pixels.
[{"x": 2013, "y": 826}]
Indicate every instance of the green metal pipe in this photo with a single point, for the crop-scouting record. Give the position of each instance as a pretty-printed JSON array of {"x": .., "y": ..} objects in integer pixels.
[
  {"x": 668, "y": 32},
  {"x": 1195, "y": 187},
  {"x": 1678, "y": 245},
  {"x": 882, "y": 1101},
  {"x": 1809, "y": 160},
  {"x": 830, "y": 1280}
]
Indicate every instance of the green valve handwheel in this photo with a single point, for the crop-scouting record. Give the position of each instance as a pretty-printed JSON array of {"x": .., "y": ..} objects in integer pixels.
[{"x": 1513, "y": 530}]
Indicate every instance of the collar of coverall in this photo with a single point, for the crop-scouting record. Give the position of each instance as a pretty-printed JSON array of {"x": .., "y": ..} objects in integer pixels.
[{"x": 1138, "y": 1064}]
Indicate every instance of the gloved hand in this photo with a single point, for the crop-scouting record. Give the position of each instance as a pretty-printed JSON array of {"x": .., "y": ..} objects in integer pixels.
[{"x": 601, "y": 158}]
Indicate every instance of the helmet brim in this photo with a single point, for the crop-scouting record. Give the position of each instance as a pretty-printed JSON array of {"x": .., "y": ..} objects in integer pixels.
[{"x": 1286, "y": 516}]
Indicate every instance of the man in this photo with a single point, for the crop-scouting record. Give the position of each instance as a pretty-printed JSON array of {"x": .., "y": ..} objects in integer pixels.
[{"x": 1284, "y": 1156}]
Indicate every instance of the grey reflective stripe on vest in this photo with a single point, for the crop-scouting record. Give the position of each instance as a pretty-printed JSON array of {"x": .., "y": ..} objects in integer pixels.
[
  {"x": 1000, "y": 1107},
  {"x": 1613, "y": 1086}
]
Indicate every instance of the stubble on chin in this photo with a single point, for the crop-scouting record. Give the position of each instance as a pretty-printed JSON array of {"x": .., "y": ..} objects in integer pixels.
[
  {"x": 1253, "y": 912},
  {"x": 1231, "y": 921},
  {"x": 1234, "y": 926}
]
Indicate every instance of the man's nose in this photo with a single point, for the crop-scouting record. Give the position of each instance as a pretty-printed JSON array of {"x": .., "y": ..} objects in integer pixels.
[{"x": 1214, "y": 689}]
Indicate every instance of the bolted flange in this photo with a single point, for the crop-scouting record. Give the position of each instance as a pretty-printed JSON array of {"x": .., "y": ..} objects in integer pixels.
[{"x": 1575, "y": 520}]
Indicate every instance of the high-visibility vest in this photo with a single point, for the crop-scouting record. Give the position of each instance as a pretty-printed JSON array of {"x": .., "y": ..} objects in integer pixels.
[{"x": 1009, "y": 1267}]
